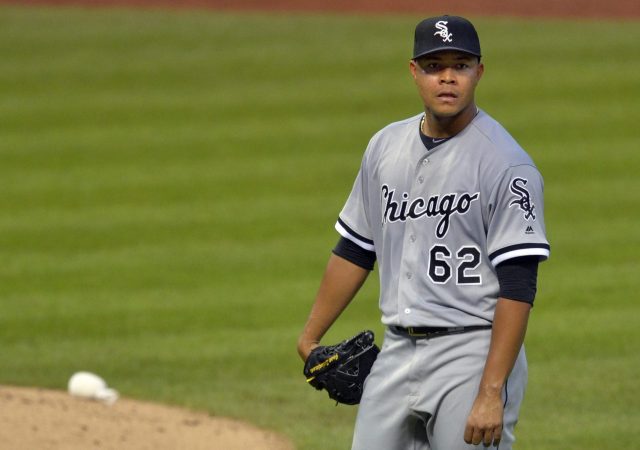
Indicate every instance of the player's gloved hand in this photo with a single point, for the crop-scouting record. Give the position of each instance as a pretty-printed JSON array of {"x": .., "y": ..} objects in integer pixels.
[{"x": 342, "y": 368}]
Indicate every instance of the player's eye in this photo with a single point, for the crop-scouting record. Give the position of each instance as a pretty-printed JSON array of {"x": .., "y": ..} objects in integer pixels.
[{"x": 429, "y": 67}]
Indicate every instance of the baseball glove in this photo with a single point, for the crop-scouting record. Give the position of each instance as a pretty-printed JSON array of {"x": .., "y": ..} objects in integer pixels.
[{"x": 342, "y": 368}]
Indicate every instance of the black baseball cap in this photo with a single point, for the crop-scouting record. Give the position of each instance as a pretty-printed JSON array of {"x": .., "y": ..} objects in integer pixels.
[{"x": 437, "y": 34}]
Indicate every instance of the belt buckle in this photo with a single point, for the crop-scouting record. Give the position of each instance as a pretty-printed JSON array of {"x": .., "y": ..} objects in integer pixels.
[{"x": 413, "y": 333}]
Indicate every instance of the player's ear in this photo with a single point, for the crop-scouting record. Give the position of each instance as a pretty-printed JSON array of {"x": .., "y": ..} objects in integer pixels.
[
  {"x": 413, "y": 68},
  {"x": 480, "y": 70}
]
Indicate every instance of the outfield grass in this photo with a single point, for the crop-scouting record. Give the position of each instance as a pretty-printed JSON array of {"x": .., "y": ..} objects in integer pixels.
[{"x": 170, "y": 182}]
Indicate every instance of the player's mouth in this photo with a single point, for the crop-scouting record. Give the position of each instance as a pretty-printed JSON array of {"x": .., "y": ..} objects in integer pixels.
[{"x": 447, "y": 96}]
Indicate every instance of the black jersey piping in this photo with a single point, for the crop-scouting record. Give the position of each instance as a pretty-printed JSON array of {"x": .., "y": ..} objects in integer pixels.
[
  {"x": 353, "y": 233},
  {"x": 512, "y": 248}
]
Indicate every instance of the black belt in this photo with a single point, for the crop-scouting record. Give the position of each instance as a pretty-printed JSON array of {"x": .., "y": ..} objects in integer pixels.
[{"x": 431, "y": 332}]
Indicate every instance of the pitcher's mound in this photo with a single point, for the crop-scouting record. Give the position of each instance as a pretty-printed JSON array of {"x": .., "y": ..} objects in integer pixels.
[{"x": 52, "y": 420}]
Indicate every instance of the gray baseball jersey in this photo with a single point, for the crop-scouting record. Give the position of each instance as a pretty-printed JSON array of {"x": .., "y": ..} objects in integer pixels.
[{"x": 440, "y": 221}]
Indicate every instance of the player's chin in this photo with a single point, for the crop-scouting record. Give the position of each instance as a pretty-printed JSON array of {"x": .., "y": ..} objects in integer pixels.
[
  {"x": 447, "y": 112},
  {"x": 449, "y": 109}
]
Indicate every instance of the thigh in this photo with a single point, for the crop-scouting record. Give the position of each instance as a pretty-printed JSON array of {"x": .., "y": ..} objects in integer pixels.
[
  {"x": 446, "y": 429},
  {"x": 385, "y": 420},
  {"x": 384, "y": 429}
]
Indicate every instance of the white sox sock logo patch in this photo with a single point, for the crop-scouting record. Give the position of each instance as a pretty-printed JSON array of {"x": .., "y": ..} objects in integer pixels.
[
  {"x": 444, "y": 31},
  {"x": 444, "y": 206},
  {"x": 524, "y": 198}
]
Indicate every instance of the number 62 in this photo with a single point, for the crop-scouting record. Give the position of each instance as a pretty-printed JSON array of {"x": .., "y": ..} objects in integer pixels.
[{"x": 441, "y": 265}]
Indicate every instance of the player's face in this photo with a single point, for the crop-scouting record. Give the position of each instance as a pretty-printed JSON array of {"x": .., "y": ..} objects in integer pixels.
[{"x": 446, "y": 82}]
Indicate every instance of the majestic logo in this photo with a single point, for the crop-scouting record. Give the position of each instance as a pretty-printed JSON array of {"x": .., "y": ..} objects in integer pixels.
[
  {"x": 524, "y": 198},
  {"x": 444, "y": 31},
  {"x": 435, "y": 206}
]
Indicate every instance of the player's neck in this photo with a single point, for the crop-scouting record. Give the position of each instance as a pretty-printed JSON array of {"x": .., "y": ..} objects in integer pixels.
[{"x": 444, "y": 127}]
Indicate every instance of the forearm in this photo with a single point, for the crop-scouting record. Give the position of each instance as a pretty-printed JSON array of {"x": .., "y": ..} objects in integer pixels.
[
  {"x": 340, "y": 283},
  {"x": 509, "y": 328}
]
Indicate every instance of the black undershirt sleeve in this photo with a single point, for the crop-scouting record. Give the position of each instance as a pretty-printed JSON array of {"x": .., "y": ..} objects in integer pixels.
[
  {"x": 354, "y": 253},
  {"x": 518, "y": 278}
]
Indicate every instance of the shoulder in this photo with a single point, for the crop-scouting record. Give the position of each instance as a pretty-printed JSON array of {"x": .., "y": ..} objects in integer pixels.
[
  {"x": 496, "y": 143},
  {"x": 392, "y": 134},
  {"x": 401, "y": 128}
]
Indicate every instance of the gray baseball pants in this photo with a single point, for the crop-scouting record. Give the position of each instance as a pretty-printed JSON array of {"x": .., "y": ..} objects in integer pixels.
[{"x": 420, "y": 392}]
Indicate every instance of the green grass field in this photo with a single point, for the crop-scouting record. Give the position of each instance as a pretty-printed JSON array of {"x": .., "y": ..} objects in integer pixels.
[{"x": 170, "y": 182}]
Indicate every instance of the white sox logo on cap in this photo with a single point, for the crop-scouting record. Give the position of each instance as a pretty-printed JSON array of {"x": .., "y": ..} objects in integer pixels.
[
  {"x": 444, "y": 31},
  {"x": 435, "y": 34}
]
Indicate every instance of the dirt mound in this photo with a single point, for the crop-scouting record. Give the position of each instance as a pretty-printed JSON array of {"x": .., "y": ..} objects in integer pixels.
[{"x": 52, "y": 420}]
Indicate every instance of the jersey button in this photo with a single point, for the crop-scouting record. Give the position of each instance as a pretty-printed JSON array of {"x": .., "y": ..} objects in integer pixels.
[
  {"x": 412, "y": 238},
  {"x": 425, "y": 161},
  {"x": 409, "y": 275},
  {"x": 420, "y": 179},
  {"x": 407, "y": 311}
]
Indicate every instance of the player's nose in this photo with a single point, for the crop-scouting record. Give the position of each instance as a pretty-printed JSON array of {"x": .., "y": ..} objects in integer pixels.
[{"x": 447, "y": 76}]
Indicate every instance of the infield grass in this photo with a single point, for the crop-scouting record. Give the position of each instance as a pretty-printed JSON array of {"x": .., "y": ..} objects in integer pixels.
[{"x": 170, "y": 182}]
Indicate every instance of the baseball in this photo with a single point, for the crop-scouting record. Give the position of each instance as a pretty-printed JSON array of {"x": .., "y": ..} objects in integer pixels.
[{"x": 91, "y": 386}]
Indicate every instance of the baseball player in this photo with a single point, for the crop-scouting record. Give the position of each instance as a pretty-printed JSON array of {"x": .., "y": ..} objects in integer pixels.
[{"x": 451, "y": 208}]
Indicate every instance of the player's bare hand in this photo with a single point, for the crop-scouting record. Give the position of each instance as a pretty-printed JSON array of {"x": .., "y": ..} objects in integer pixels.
[{"x": 484, "y": 424}]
